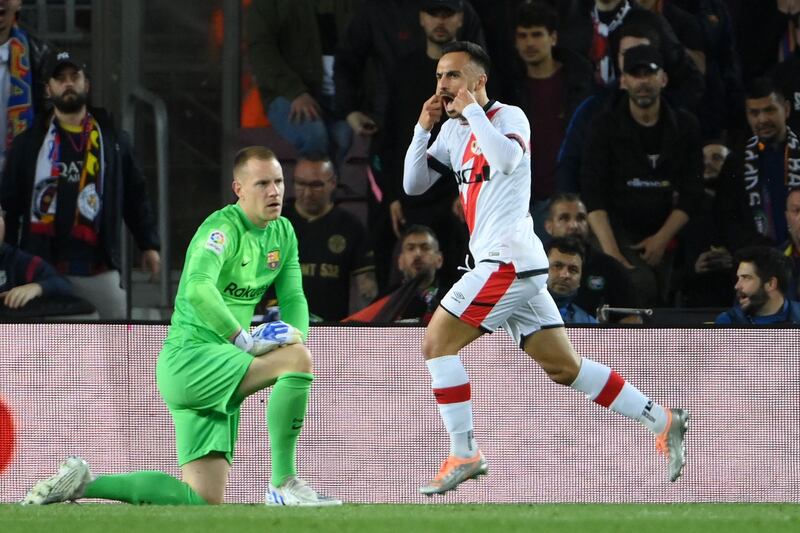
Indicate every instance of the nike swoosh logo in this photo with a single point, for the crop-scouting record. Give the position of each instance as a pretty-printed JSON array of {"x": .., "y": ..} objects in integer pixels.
[{"x": 245, "y": 263}]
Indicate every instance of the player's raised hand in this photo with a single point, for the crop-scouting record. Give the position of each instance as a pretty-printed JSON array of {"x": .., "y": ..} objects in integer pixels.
[
  {"x": 431, "y": 112},
  {"x": 462, "y": 100}
]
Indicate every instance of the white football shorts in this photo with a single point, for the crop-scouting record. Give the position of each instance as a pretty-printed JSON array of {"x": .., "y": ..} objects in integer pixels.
[{"x": 492, "y": 295}]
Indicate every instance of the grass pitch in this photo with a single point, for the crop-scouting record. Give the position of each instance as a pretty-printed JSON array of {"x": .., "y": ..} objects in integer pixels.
[{"x": 561, "y": 518}]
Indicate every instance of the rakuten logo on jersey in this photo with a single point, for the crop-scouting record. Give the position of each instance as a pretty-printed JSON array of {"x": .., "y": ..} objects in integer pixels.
[{"x": 244, "y": 292}]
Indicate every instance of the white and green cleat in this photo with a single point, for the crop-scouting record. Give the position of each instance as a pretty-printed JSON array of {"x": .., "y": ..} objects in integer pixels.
[{"x": 68, "y": 484}]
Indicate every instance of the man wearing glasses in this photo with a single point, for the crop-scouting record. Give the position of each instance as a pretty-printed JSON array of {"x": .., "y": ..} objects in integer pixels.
[{"x": 333, "y": 246}]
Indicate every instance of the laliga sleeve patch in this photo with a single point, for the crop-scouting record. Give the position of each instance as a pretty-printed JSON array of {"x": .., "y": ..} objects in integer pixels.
[{"x": 216, "y": 242}]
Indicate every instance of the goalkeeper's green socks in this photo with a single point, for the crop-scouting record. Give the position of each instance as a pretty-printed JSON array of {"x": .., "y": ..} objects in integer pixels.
[
  {"x": 142, "y": 488},
  {"x": 286, "y": 411}
]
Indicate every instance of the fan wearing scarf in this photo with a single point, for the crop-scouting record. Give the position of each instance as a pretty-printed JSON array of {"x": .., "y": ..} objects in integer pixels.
[
  {"x": 758, "y": 176},
  {"x": 21, "y": 61},
  {"x": 69, "y": 181}
]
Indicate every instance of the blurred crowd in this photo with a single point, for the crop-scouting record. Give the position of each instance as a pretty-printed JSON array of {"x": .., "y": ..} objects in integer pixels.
[{"x": 665, "y": 174}]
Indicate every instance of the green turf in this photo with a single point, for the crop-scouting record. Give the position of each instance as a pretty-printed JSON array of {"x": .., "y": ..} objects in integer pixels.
[{"x": 566, "y": 518}]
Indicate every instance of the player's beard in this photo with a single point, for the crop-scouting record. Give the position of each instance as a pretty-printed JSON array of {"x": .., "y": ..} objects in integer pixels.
[{"x": 69, "y": 101}]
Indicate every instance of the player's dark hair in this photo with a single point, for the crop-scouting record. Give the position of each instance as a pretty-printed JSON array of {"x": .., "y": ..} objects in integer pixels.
[
  {"x": 416, "y": 229},
  {"x": 762, "y": 87},
  {"x": 567, "y": 245},
  {"x": 769, "y": 263},
  {"x": 474, "y": 51},
  {"x": 252, "y": 152},
  {"x": 559, "y": 198},
  {"x": 537, "y": 14}
]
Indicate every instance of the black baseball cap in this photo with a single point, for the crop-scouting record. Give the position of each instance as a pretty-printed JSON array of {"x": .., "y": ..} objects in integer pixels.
[
  {"x": 431, "y": 6},
  {"x": 60, "y": 58},
  {"x": 642, "y": 57}
]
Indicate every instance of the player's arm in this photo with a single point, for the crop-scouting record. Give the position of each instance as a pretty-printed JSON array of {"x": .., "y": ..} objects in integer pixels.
[
  {"x": 207, "y": 254},
  {"x": 289, "y": 287},
  {"x": 505, "y": 146},
  {"x": 418, "y": 173}
]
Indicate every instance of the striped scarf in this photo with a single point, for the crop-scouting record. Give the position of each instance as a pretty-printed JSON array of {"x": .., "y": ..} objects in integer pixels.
[
  {"x": 599, "y": 53},
  {"x": 756, "y": 189},
  {"x": 20, "y": 94},
  {"x": 85, "y": 222}
]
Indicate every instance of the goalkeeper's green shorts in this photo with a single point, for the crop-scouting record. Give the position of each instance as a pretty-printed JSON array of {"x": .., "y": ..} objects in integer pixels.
[{"x": 198, "y": 382}]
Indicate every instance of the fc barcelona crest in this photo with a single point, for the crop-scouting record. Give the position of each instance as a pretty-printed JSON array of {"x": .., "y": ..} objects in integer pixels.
[{"x": 273, "y": 259}]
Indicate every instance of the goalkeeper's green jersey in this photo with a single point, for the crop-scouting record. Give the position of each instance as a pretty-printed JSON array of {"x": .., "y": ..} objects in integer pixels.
[{"x": 230, "y": 263}]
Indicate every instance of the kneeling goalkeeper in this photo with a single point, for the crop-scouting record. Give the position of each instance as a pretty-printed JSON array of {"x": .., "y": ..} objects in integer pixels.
[{"x": 210, "y": 362}]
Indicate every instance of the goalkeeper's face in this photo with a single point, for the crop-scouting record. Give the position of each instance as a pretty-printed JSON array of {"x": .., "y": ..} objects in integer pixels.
[{"x": 259, "y": 186}]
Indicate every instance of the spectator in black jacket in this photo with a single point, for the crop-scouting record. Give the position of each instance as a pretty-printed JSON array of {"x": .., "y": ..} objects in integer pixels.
[
  {"x": 69, "y": 182},
  {"x": 631, "y": 33},
  {"x": 641, "y": 175},
  {"x": 551, "y": 81}
]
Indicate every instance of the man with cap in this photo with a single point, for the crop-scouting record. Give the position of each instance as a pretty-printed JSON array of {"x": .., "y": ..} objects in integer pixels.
[
  {"x": 641, "y": 180},
  {"x": 69, "y": 182}
]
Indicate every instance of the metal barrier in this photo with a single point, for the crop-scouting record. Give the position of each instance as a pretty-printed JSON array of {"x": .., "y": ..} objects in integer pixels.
[{"x": 140, "y": 94}]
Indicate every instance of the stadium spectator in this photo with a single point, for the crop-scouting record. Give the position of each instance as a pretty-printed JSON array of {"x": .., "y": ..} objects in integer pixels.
[
  {"x": 291, "y": 48},
  {"x": 22, "y": 57},
  {"x": 332, "y": 244},
  {"x": 681, "y": 82},
  {"x": 25, "y": 277},
  {"x": 756, "y": 177},
  {"x": 604, "y": 281},
  {"x": 411, "y": 84},
  {"x": 66, "y": 203},
  {"x": 762, "y": 279},
  {"x": 417, "y": 295},
  {"x": 641, "y": 156},
  {"x": 565, "y": 256},
  {"x": 550, "y": 83},
  {"x": 591, "y": 27},
  {"x": 685, "y": 26},
  {"x": 721, "y": 107},
  {"x": 211, "y": 363},
  {"x": 704, "y": 278},
  {"x": 787, "y": 77},
  {"x": 765, "y": 34},
  {"x": 791, "y": 247},
  {"x": 485, "y": 144},
  {"x": 380, "y": 33}
]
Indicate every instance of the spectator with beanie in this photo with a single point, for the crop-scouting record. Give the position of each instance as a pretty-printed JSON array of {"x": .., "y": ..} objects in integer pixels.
[{"x": 69, "y": 182}]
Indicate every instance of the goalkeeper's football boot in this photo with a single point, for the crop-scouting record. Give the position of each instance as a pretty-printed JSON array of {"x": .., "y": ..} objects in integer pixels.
[
  {"x": 454, "y": 471},
  {"x": 295, "y": 491},
  {"x": 67, "y": 484},
  {"x": 670, "y": 442}
]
